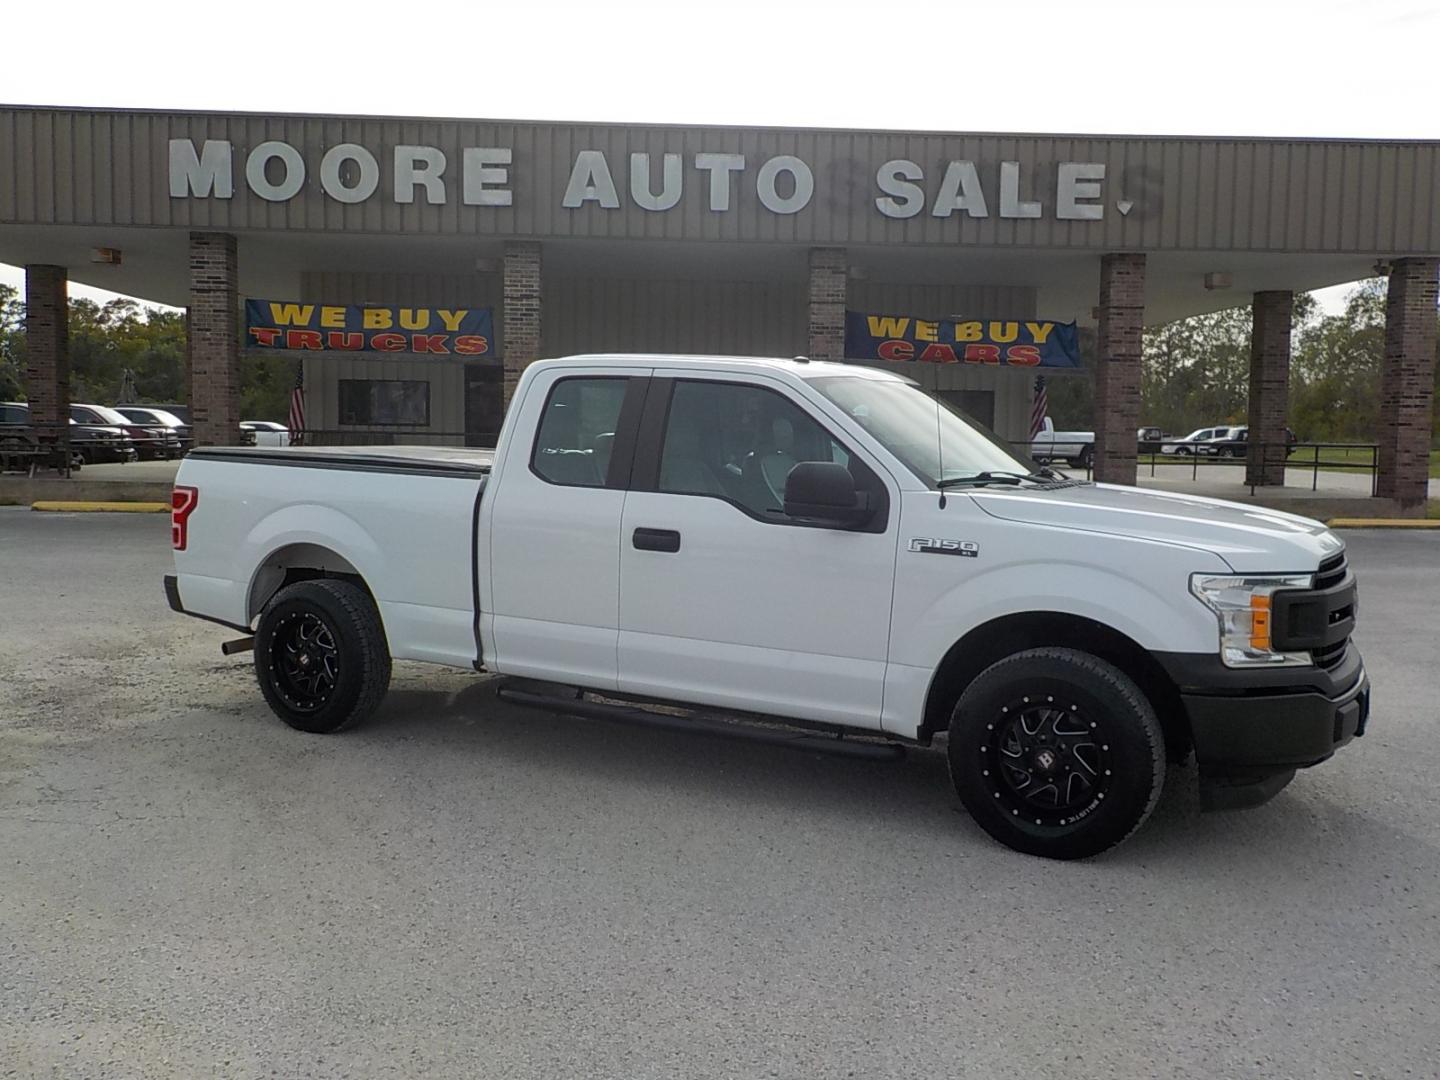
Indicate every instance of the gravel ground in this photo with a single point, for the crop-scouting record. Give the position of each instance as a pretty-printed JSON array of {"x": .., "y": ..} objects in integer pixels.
[{"x": 461, "y": 888}]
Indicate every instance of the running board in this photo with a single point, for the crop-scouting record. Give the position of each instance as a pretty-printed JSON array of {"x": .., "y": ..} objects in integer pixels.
[{"x": 790, "y": 739}]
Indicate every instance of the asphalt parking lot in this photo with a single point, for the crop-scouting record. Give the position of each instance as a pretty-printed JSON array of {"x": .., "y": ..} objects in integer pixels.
[{"x": 461, "y": 888}]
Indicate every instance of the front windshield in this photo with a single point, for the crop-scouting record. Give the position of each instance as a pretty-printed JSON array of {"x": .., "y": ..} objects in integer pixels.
[{"x": 921, "y": 430}]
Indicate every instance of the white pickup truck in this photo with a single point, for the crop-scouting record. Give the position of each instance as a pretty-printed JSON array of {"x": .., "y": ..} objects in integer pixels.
[
  {"x": 1076, "y": 447},
  {"x": 822, "y": 553}
]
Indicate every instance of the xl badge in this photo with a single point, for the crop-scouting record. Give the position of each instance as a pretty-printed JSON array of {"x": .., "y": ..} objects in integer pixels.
[{"x": 933, "y": 546}]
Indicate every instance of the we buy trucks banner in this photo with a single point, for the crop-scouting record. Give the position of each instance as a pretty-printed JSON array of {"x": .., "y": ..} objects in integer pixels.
[
  {"x": 903, "y": 339},
  {"x": 275, "y": 324}
]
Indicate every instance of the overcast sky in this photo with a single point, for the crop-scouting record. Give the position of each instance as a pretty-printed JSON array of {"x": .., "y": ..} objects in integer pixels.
[{"x": 1350, "y": 68}]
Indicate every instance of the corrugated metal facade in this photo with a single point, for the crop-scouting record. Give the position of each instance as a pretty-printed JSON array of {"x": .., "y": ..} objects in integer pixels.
[{"x": 60, "y": 166}]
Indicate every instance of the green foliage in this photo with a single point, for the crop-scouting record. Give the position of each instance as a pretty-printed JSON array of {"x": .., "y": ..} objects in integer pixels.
[
  {"x": 1197, "y": 371},
  {"x": 265, "y": 385},
  {"x": 12, "y": 364},
  {"x": 107, "y": 340}
]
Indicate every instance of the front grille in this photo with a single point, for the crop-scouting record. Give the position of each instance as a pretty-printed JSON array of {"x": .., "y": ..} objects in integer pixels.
[{"x": 1332, "y": 571}]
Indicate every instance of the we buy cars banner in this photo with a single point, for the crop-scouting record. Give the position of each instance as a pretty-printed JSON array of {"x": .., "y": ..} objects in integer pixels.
[
  {"x": 276, "y": 324},
  {"x": 903, "y": 338}
]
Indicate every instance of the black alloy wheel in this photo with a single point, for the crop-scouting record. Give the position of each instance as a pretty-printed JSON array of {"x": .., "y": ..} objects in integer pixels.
[
  {"x": 305, "y": 660},
  {"x": 320, "y": 655},
  {"x": 1055, "y": 752},
  {"x": 1053, "y": 761}
]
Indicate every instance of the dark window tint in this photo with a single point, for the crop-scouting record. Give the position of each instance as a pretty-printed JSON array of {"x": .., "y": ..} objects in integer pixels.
[
  {"x": 577, "y": 431},
  {"x": 10, "y": 414},
  {"x": 739, "y": 442},
  {"x": 385, "y": 401}
]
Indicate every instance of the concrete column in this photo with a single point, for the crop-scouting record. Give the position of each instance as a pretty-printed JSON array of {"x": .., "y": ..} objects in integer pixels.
[
  {"x": 829, "y": 274},
  {"x": 1117, "y": 375},
  {"x": 214, "y": 340},
  {"x": 1269, "y": 387},
  {"x": 1408, "y": 382},
  {"x": 47, "y": 356},
  {"x": 522, "y": 310}
]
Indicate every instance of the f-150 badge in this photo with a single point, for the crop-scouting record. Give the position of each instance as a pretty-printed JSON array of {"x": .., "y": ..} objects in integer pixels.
[{"x": 935, "y": 546}]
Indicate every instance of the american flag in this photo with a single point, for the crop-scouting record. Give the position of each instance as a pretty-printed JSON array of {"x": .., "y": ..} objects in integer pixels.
[
  {"x": 1040, "y": 408},
  {"x": 297, "y": 407}
]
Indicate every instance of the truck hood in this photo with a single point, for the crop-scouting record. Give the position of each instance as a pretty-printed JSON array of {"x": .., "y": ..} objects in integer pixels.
[{"x": 1251, "y": 539}]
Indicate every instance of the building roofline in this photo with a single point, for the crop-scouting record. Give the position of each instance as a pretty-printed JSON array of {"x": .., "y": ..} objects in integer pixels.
[{"x": 654, "y": 126}]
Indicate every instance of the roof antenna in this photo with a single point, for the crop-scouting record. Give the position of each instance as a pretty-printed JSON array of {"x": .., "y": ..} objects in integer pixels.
[{"x": 939, "y": 450}]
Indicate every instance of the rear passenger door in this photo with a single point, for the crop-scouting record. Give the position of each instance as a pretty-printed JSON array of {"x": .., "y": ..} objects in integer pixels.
[
  {"x": 725, "y": 601},
  {"x": 554, "y": 581}
]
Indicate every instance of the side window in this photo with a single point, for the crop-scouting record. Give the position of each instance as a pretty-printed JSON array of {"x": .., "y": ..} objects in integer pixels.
[
  {"x": 738, "y": 442},
  {"x": 577, "y": 431}
]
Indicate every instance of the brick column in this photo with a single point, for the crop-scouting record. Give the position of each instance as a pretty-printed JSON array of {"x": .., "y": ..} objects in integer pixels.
[
  {"x": 522, "y": 310},
  {"x": 214, "y": 340},
  {"x": 1269, "y": 387},
  {"x": 829, "y": 273},
  {"x": 47, "y": 355},
  {"x": 1117, "y": 374},
  {"x": 1407, "y": 384}
]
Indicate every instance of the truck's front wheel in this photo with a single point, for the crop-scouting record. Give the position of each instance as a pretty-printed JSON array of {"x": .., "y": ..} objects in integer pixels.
[
  {"x": 1057, "y": 753},
  {"x": 321, "y": 656}
]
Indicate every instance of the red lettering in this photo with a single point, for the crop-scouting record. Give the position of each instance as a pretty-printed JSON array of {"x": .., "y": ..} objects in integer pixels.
[
  {"x": 472, "y": 345},
  {"x": 388, "y": 342},
  {"x": 266, "y": 336},
  {"x": 1022, "y": 355},
  {"x": 982, "y": 354},
  {"x": 896, "y": 350},
  {"x": 304, "y": 339},
  {"x": 338, "y": 339},
  {"x": 429, "y": 343},
  {"x": 939, "y": 354}
]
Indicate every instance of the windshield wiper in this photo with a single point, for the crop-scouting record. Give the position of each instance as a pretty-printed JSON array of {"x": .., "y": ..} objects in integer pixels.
[
  {"x": 1046, "y": 477},
  {"x": 988, "y": 477}
]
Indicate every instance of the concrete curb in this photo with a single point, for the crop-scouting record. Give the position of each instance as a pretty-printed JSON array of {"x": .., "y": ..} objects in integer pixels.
[
  {"x": 101, "y": 507},
  {"x": 1383, "y": 523}
]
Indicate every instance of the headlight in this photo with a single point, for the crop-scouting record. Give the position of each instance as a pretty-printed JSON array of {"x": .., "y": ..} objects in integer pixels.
[{"x": 1242, "y": 605}]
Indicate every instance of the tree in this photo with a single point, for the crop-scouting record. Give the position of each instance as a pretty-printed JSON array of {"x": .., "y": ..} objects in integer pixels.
[{"x": 12, "y": 363}]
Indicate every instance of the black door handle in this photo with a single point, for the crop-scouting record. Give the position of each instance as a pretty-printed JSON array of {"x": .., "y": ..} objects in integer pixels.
[{"x": 656, "y": 540}]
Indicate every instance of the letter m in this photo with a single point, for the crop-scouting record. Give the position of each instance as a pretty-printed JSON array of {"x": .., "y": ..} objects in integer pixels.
[{"x": 204, "y": 175}]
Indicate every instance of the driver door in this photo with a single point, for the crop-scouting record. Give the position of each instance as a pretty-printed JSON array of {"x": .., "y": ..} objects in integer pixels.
[{"x": 723, "y": 600}]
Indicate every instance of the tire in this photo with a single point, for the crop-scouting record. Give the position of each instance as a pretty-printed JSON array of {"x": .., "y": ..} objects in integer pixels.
[
  {"x": 334, "y": 625},
  {"x": 1183, "y": 451},
  {"x": 1103, "y": 749},
  {"x": 1086, "y": 458}
]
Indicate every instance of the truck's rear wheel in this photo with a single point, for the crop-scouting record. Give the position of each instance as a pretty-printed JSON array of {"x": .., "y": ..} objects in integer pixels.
[
  {"x": 1057, "y": 753},
  {"x": 321, "y": 656}
]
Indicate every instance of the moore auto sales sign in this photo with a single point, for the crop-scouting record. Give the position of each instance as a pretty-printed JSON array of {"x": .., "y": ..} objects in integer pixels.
[{"x": 783, "y": 184}]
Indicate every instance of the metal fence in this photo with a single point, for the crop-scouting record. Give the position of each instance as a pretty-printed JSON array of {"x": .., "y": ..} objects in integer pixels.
[{"x": 1177, "y": 456}]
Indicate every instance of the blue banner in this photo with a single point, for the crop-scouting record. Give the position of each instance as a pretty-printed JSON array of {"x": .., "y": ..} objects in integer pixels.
[
  {"x": 905, "y": 339},
  {"x": 274, "y": 324}
]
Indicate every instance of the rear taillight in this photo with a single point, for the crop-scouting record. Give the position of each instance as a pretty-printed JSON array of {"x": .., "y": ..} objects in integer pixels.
[{"x": 183, "y": 501}]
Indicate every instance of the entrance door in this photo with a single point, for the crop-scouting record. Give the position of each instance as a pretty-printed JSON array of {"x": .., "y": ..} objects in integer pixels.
[
  {"x": 484, "y": 403},
  {"x": 723, "y": 600}
]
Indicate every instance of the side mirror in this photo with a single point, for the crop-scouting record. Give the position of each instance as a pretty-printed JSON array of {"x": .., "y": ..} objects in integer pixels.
[{"x": 824, "y": 492}]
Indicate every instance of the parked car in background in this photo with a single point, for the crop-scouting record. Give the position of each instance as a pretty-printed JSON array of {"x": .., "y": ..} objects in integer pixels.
[
  {"x": 146, "y": 442},
  {"x": 1199, "y": 442},
  {"x": 265, "y": 433},
  {"x": 175, "y": 409},
  {"x": 1148, "y": 440},
  {"x": 88, "y": 442},
  {"x": 151, "y": 416},
  {"x": 1076, "y": 447},
  {"x": 1235, "y": 443}
]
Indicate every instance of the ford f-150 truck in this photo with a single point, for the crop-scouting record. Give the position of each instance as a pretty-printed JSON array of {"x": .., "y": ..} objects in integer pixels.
[{"x": 801, "y": 553}]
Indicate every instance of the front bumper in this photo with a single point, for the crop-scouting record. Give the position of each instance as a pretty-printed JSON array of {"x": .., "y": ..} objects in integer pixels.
[{"x": 1252, "y": 729}]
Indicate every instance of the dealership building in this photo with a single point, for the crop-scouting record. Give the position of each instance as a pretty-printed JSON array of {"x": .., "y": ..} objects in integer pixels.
[{"x": 414, "y": 266}]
